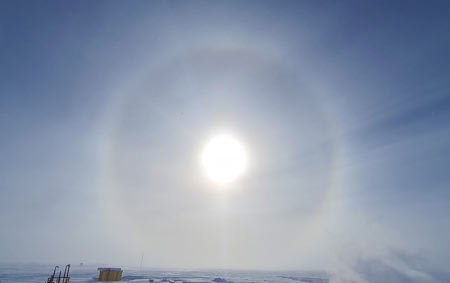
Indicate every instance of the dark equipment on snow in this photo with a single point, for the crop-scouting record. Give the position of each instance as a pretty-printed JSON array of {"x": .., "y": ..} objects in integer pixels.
[{"x": 64, "y": 279}]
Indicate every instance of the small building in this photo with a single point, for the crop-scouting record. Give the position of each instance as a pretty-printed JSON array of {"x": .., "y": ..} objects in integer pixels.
[{"x": 109, "y": 274}]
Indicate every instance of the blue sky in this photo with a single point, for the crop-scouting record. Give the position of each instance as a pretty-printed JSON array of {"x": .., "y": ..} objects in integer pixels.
[{"x": 343, "y": 108}]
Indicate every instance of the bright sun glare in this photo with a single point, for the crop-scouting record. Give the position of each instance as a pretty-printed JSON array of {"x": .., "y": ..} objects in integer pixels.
[{"x": 224, "y": 159}]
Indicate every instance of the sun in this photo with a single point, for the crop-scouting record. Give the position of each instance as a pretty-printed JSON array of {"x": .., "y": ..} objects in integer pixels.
[{"x": 224, "y": 159}]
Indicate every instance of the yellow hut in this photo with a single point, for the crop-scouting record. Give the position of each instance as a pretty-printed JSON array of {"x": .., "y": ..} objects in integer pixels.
[{"x": 109, "y": 274}]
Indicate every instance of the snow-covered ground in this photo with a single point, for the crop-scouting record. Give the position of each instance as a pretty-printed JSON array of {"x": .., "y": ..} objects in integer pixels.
[{"x": 39, "y": 273}]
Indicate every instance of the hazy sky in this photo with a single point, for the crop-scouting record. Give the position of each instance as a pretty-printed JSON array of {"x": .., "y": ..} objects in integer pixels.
[{"x": 343, "y": 108}]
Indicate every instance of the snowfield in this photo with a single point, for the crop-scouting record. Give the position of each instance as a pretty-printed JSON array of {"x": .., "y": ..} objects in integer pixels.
[{"x": 40, "y": 273}]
